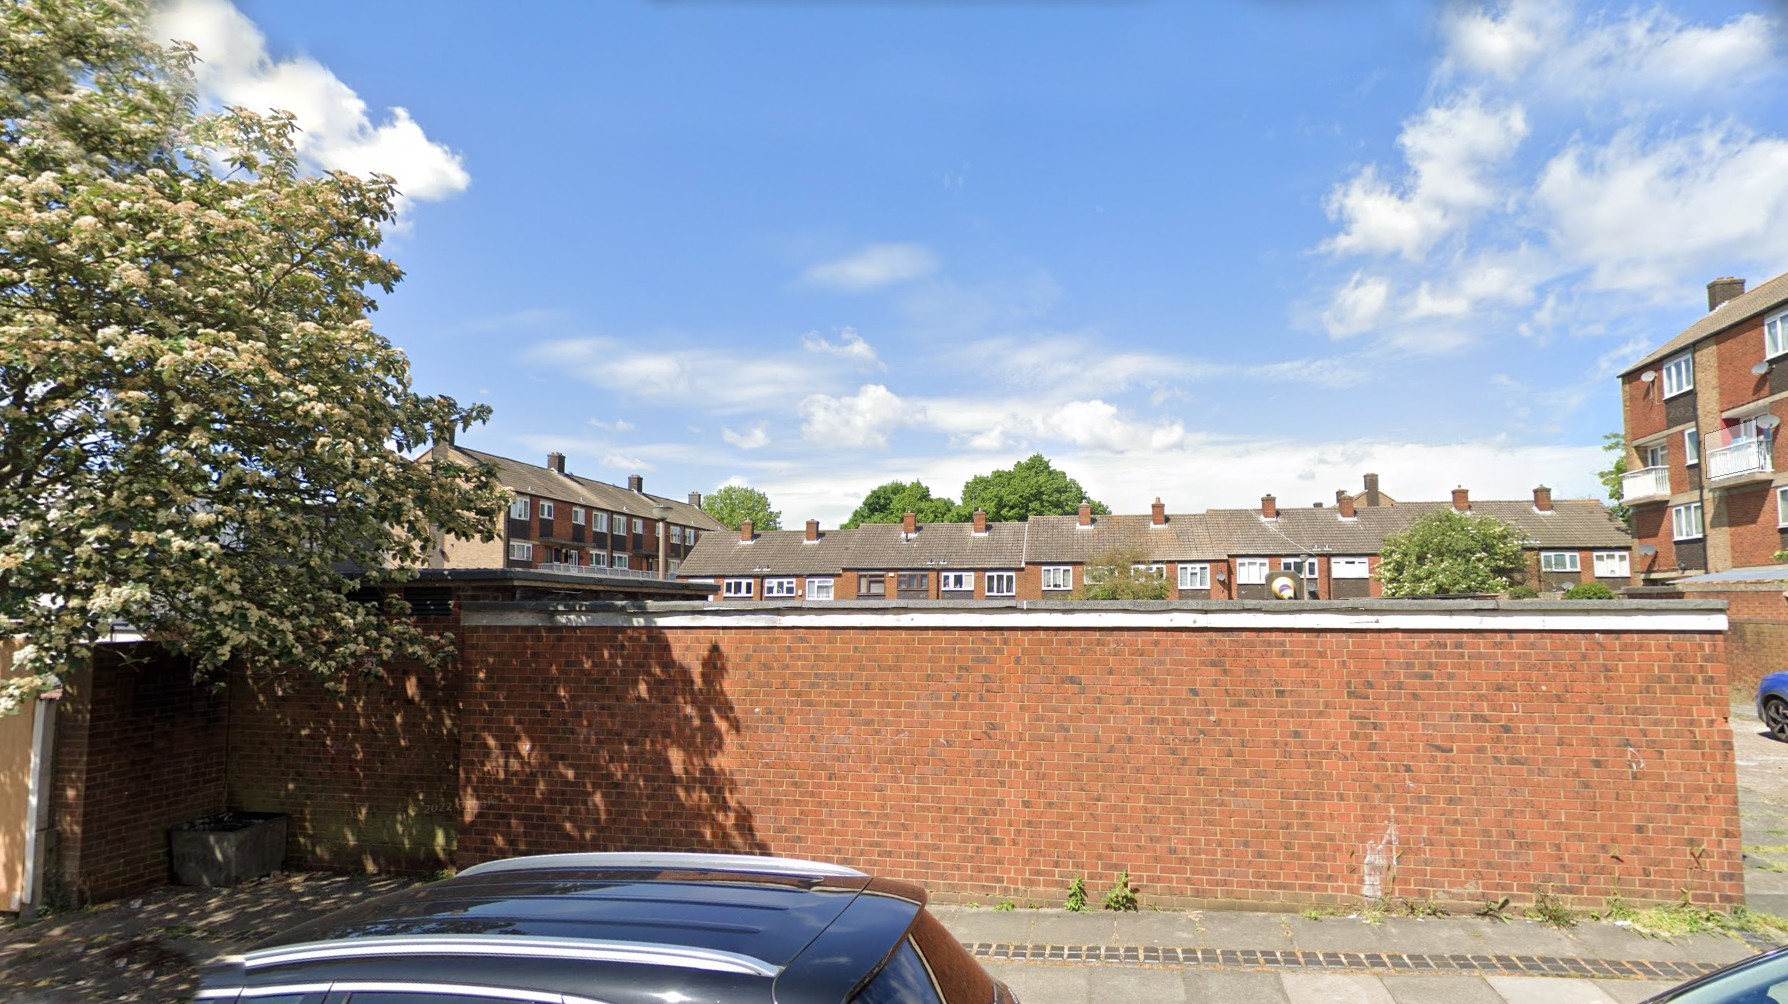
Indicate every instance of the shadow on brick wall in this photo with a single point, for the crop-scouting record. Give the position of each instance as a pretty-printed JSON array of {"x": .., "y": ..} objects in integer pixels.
[{"x": 597, "y": 739}]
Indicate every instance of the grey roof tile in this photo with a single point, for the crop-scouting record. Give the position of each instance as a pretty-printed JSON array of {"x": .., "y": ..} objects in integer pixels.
[
  {"x": 1768, "y": 295},
  {"x": 533, "y": 479},
  {"x": 937, "y": 545},
  {"x": 1184, "y": 537},
  {"x": 771, "y": 552},
  {"x": 1571, "y": 523}
]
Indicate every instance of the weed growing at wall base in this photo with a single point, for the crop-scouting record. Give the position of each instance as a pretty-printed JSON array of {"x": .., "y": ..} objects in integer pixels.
[
  {"x": 1076, "y": 895},
  {"x": 1121, "y": 897}
]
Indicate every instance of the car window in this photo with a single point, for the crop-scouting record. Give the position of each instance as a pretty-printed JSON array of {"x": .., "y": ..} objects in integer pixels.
[
  {"x": 903, "y": 980},
  {"x": 930, "y": 965},
  {"x": 445, "y": 996},
  {"x": 1763, "y": 983}
]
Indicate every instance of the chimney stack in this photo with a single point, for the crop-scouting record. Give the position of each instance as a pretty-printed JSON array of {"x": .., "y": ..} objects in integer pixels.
[
  {"x": 636, "y": 483},
  {"x": 1345, "y": 502},
  {"x": 745, "y": 534},
  {"x": 909, "y": 523},
  {"x": 1721, "y": 290},
  {"x": 980, "y": 522},
  {"x": 812, "y": 530},
  {"x": 1461, "y": 500},
  {"x": 1542, "y": 499},
  {"x": 1372, "y": 498},
  {"x": 1269, "y": 507},
  {"x": 695, "y": 499},
  {"x": 1157, "y": 513},
  {"x": 555, "y": 462},
  {"x": 1086, "y": 514}
]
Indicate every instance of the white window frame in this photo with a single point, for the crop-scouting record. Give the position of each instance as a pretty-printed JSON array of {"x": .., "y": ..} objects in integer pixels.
[
  {"x": 738, "y": 589},
  {"x": 780, "y": 588},
  {"x": 1686, "y": 522},
  {"x": 1350, "y": 568},
  {"x": 1691, "y": 447},
  {"x": 1656, "y": 455},
  {"x": 676, "y": 534},
  {"x": 675, "y": 563},
  {"x": 520, "y": 508},
  {"x": 1195, "y": 577},
  {"x": 1001, "y": 583},
  {"x": 638, "y": 527},
  {"x": 577, "y": 515},
  {"x": 599, "y": 522},
  {"x": 1775, "y": 335},
  {"x": 819, "y": 589},
  {"x": 546, "y": 509},
  {"x": 1251, "y": 571},
  {"x": 1612, "y": 565},
  {"x": 1058, "y": 578},
  {"x": 1156, "y": 568},
  {"x": 1679, "y": 374},
  {"x": 521, "y": 550},
  {"x": 1561, "y": 561},
  {"x": 618, "y": 560},
  {"x": 1307, "y": 568},
  {"x": 1782, "y": 506},
  {"x": 956, "y": 582},
  {"x": 690, "y": 536}
]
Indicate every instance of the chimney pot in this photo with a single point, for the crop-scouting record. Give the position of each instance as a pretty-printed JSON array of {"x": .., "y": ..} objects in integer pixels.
[
  {"x": 636, "y": 483},
  {"x": 1721, "y": 290},
  {"x": 1461, "y": 500},
  {"x": 909, "y": 523},
  {"x": 1269, "y": 507},
  {"x": 1157, "y": 513},
  {"x": 745, "y": 534},
  {"x": 1542, "y": 499},
  {"x": 980, "y": 521},
  {"x": 556, "y": 462},
  {"x": 812, "y": 530},
  {"x": 1345, "y": 501},
  {"x": 1086, "y": 514}
]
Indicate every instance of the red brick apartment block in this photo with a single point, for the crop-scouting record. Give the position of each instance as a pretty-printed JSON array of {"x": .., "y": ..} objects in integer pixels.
[{"x": 1231, "y": 753}]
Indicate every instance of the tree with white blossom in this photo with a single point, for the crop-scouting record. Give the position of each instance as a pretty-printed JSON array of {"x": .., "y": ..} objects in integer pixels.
[{"x": 201, "y": 434}]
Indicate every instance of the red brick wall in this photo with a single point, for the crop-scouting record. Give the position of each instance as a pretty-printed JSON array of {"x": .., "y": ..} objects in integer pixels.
[
  {"x": 138, "y": 749},
  {"x": 1757, "y": 638},
  {"x": 1261, "y": 765},
  {"x": 1751, "y": 517}
]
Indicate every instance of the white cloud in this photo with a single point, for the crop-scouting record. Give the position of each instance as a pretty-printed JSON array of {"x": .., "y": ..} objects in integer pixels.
[
  {"x": 1357, "y": 306},
  {"x": 874, "y": 266},
  {"x": 862, "y": 420},
  {"x": 753, "y": 438},
  {"x": 712, "y": 379},
  {"x": 618, "y": 425},
  {"x": 850, "y": 345},
  {"x": 1479, "y": 41},
  {"x": 1098, "y": 425},
  {"x": 337, "y": 133}
]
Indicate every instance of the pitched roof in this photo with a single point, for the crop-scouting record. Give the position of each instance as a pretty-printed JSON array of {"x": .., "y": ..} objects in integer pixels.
[
  {"x": 532, "y": 479},
  {"x": 941, "y": 545},
  {"x": 1571, "y": 523},
  {"x": 1768, "y": 295},
  {"x": 1184, "y": 537},
  {"x": 771, "y": 552}
]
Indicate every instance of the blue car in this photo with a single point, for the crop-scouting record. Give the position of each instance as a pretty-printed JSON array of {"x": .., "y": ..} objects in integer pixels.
[{"x": 1772, "y": 704}]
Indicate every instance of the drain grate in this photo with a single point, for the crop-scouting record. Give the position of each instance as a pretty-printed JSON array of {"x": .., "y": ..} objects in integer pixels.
[{"x": 1381, "y": 962}]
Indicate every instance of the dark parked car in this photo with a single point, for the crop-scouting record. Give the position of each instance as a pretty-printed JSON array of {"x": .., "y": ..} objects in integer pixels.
[
  {"x": 1772, "y": 704},
  {"x": 1760, "y": 979},
  {"x": 621, "y": 929}
]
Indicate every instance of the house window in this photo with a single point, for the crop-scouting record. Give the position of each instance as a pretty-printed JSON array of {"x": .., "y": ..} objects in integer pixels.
[
  {"x": 1154, "y": 570},
  {"x": 1691, "y": 447},
  {"x": 638, "y": 527},
  {"x": 620, "y": 524},
  {"x": 1250, "y": 571},
  {"x": 1685, "y": 521},
  {"x": 1679, "y": 375},
  {"x": 599, "y": 522},
  {"x": 1559, "y": 561},
  {"x": 1656, "y": 456},
  {"x": 619, "y": 561},
  {"x": 569, "y": 558},
  {"x": 1195, "y": 577},
  {"x": 956, "y": 582},
  {"x": 912, "y": 581},
  {"x": 674, "y": 565},
  {"x": 1349, "y": 568},
  {"x": 1782, "y": 506},
  {"x": 689, "y": 536},
  {"x": 819, "y": 589},
  {"x": 872, "y": 584},
  {"x": 1002, "y": 583},
  {"x": 520, "y": 551},
  {"x": 778, "y": 587},
  {"x": 577, "y": 515},
  {"x": 1058, "y": 577},
  {"x": 676, "y": 535},
  {"x": 736, "y": 588},
  {"x": 1612, "y": 565},
  {"x": 519, "y": 508},
  {"x": 1305, "y": 567},
  {"x": 1775, "y": 335},
  {"x": 546, "y": 509}
]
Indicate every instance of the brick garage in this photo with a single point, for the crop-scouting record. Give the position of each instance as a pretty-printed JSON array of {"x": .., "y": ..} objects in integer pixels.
[
  {"x": 1224, "y": 755},
  {"x": 1757, "y": 636}
]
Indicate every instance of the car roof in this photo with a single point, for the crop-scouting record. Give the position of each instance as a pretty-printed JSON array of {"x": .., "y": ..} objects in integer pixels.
[{"x": 619, "y": 927}]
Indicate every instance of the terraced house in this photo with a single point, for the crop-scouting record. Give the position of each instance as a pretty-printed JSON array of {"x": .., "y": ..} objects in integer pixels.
[
  {"x": 1213, "y": 555},
  {"x": 1706, "y": 487},
  {"x": 562, "y": 522}
]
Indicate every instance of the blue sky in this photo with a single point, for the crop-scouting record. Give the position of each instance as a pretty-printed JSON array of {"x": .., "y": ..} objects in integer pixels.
[{"x": 1195, "y": 251}]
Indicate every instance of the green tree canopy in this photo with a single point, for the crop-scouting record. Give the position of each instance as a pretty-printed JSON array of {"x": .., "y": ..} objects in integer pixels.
[
  {"x": 204, "y": 436},
  {"x": 889, "y": 502},
  {"x": 734, "y": 504},
  {"x": 1611, "y": 475},
  {"x": 1450, "y": 552},
  {"x": 1123, "y": 574},
  {"x": 1031, "y": 488}
]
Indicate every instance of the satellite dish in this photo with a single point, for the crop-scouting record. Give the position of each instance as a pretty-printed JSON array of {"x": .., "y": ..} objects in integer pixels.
[
  {"x": 1645, "y": 550},
  {"x": 1768, "y": 421},
  {"x": 1283, "y": 585},
  {"x": 1648, "y": 376},
  {"x": 1760, "y": 369}
]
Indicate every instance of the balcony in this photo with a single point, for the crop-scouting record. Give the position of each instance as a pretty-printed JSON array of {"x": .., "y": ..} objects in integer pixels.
[
  {"x": 1644, "y": 483},
  {"x": 557, "y": 566},
  {"x": 1741, "y": 459}
]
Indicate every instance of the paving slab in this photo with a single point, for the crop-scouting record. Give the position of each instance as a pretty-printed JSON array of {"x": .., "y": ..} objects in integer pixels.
[
  {"x": 1440, "y": 990},
  {"x": 1632, "y": 991},
  {"x": 1545, "y": 990},
  {"x": 1335, "y": 988},
  {"x": 1049, "y": 984},
  {"x": 1218, "y": 987}
]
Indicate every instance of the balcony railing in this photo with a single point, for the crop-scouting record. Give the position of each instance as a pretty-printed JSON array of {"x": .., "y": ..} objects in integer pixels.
[
  {"x": 559, "y": 566},
  {"x": 1750, "y": 456},
  {"x": 1643, "y": 482}
]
